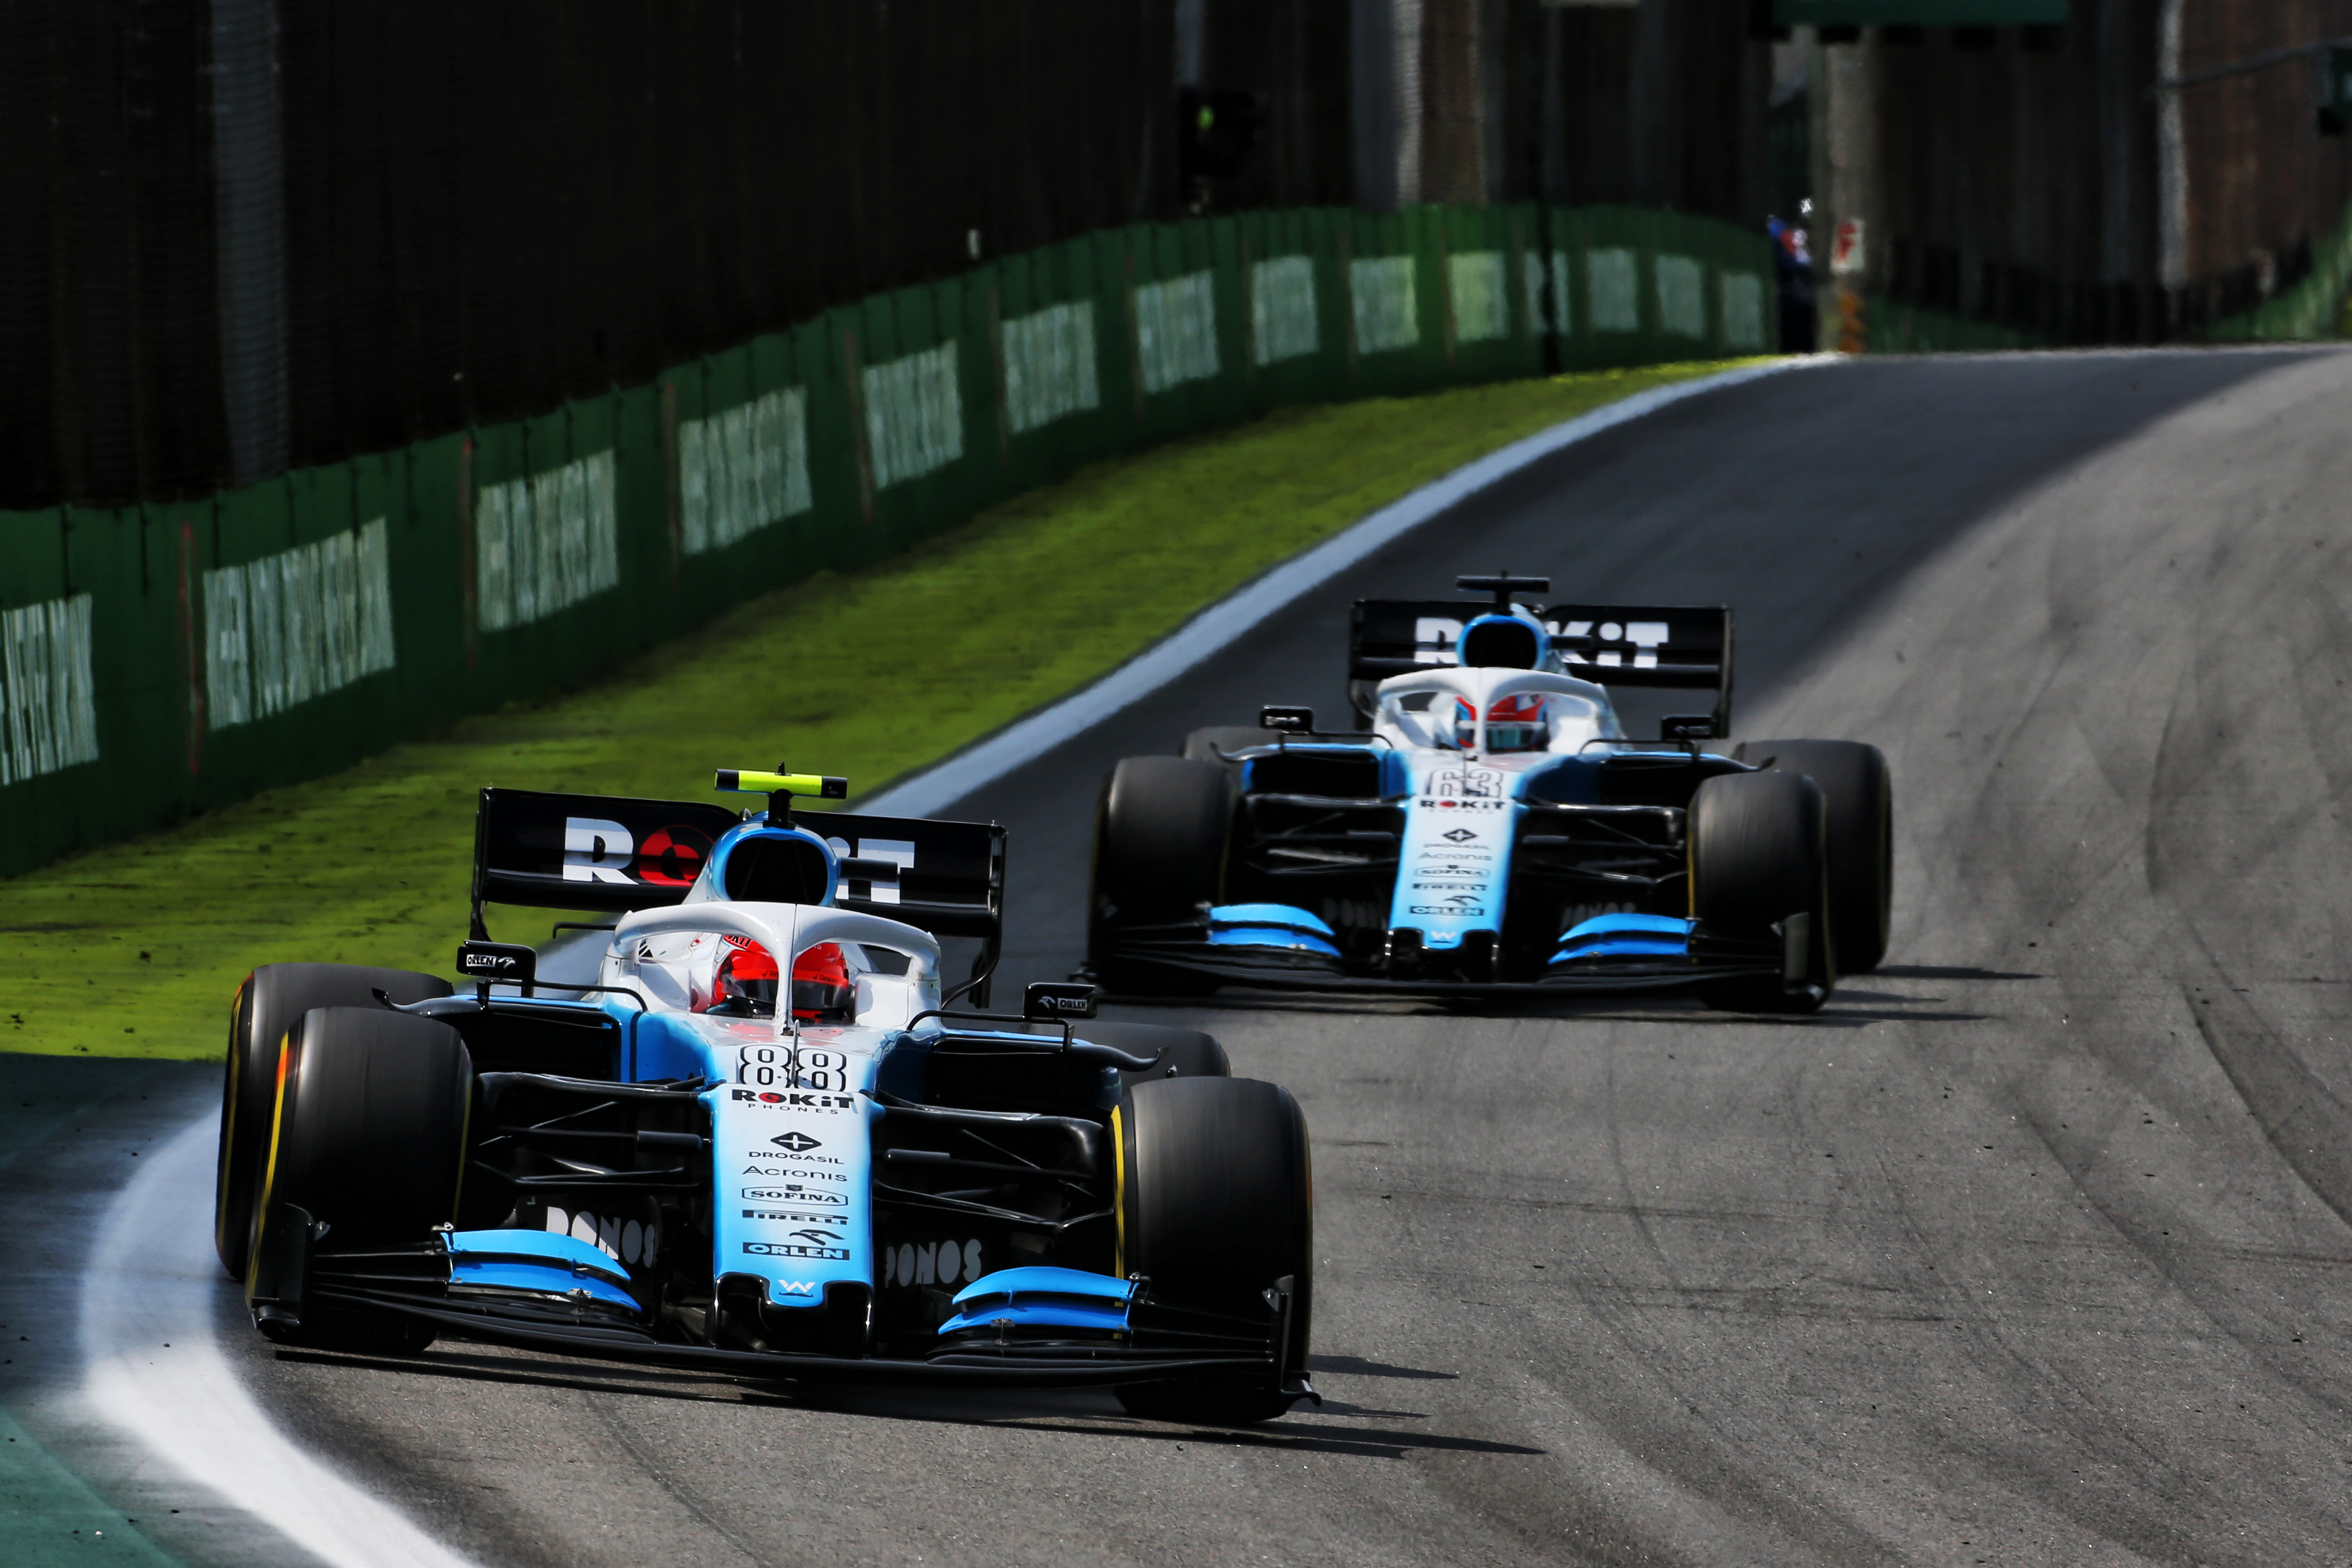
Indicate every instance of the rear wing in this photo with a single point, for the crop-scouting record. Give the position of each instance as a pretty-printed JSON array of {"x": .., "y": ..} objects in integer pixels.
[
  {"x": 612, "y": 853},
  {"x": 1653, "y": 646}
]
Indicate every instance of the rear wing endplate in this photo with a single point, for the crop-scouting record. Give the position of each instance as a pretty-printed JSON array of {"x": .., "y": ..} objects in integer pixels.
[
  {"x": 612, "y": 853},
  {"x": 1684, "y": 646}
]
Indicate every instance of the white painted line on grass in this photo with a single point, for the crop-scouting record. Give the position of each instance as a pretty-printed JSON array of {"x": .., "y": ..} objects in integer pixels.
[
  {"x": 151, "y": 1281},
  {"x": 984, "y": 762}
]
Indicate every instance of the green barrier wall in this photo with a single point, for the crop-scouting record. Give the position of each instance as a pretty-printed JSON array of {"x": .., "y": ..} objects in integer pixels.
[
  {"x": 1893, "y": 328},
  {"x": 157, "y": 660}
]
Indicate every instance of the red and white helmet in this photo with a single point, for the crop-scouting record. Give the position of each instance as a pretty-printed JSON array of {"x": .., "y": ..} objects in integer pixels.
[
  {"x": 1513, "y": 723},
  {"x": 746, "y": 979},
  {"x": 745, "y": 983},
  {"x": 823, "y": 992}
]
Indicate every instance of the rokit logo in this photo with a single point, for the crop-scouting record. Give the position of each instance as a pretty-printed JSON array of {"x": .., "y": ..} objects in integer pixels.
[
  {"x": 1431, "y": 803},
  {"x": 931, "y": 1263},
  {"x": 900, "y": 852},
  {"x": 796, "y": 1249},
  {"x": 1646, "y": 637},
  {"x": 598, "y": 851},
  {"x": 776, "y": 1099},
  {"x": 791, "y": 1195}
]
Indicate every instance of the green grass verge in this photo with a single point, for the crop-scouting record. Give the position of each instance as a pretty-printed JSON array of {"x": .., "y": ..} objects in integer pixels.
[{"x": 135, "y": 949}]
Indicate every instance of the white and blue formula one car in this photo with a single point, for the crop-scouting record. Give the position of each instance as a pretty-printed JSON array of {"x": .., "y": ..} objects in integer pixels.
[
  {"x": 1490, "y": 826},
  {"x": 756, "y": 1142}
]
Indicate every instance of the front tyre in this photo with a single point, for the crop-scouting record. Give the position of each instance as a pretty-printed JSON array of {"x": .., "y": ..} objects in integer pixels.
[
  {"x": 1758, "y": 869},
  {"x": 1217, "y": 1208},
  {"x": 371, "y": 1112},
  {"x": 1161, "y": 836},
  {"x": 271, "y": 1000},
  {"x": 1861, "y": 795}
]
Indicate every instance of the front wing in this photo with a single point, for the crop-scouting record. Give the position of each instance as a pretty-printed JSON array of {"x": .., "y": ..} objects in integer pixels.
[
  {"x": 414, "y": 1281},
  {"x": 1188, "y": 948}
]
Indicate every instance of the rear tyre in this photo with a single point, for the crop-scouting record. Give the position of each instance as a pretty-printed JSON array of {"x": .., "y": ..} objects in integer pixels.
[
  {"x": 1757, "y": 863},
  {"x": 371, "y": 1116},
  {"x": 1183, "y": 1053},
  {"x": 1216, "y": 1209},
  {"x": 271, "y": 1000},
  {"x": 1861, "y": 793},
  {"x": 1160, "y": 835}
]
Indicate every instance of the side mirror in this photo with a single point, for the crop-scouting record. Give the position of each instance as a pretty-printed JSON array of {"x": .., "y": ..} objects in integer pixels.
[
  {"x": 1686, "y": 727},
  {"x": 1287, "y": 721},
  {"x": 1049, "y": 1001},
  {"x": 498, "y": 963}
]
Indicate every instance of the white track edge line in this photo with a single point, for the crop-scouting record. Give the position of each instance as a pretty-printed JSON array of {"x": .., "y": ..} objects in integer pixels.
[
  {"x": 1208, "y": 633},
  {"x": 151, "y": 1280}
]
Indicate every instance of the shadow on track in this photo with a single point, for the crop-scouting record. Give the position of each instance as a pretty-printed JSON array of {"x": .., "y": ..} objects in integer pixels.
[{"x": 887, "y": 1405}]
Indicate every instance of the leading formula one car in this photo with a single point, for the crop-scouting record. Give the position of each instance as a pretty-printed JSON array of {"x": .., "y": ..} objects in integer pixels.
[
  {"x": 756, "y": 1142},
  {"x": 1490, "y": 825}
]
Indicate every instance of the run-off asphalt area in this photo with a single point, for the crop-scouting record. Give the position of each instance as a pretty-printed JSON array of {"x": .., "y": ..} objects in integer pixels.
[{"x": 2021, "y": 1251}]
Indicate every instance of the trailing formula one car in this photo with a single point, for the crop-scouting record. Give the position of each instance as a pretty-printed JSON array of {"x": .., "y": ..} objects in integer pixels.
[
  {"x": 756, "y": 1142},
  {"x": 1490, "y": 825}
]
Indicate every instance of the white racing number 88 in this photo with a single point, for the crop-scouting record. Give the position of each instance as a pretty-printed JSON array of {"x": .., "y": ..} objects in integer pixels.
[
  {"x": 789, "y": 1067},
  {"x": 764, "y": 1067}
]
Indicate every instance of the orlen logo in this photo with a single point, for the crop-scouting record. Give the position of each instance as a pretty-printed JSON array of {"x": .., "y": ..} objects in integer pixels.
[{"x": 1462, "y": 905}]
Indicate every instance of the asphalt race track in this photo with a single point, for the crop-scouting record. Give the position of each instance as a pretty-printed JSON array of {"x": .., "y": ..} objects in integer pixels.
[{"x": 2030, "y": 1248}]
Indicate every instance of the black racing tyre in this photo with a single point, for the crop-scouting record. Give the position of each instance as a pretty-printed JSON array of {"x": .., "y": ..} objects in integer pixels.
[
  {"x": 1203, "y": 745},
  {"x": 1758, "y": 859},
  {"x": 1160, "y": 835},
  {"x": 1183, "y": 1053},
  {"x": 370, "y": 1119},
  {"x": 1216, "y": 1208},
  {"x": 1861, "y": 793},
  {"x": 271, "y": 1000}
]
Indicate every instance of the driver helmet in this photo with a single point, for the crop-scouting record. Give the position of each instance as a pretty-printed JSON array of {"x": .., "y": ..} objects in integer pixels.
[
  {"x": 1513, "y": 723},
  {"x": 746, "y": 982},
  {"x": 822, "y": 991}
]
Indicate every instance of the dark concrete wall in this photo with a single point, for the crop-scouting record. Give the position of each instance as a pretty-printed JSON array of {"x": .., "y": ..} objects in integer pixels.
[{"x": 2025, "y": 177}]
